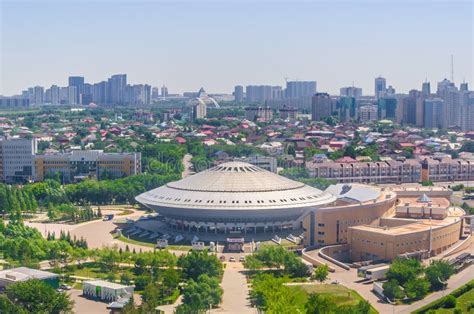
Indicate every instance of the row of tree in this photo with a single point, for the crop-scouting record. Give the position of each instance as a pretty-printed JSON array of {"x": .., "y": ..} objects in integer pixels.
[
  {"x": 408, "y": 278},
  {"x": 14, "y": 201}
]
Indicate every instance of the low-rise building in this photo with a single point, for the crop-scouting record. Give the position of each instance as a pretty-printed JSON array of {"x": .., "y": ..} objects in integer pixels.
[
  {"x": 80, "y": 164},
  {"x": 14, "y": 275},
  {"x": 380, "y": 172}
]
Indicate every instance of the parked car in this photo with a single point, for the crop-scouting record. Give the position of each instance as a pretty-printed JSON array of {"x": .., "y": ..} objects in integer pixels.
[
  {"x": 232, "y": 259},
  {"x": 65, "y": 287},
  {"x": 222, "y": 258},
  {"x": 242, "y": 259}
]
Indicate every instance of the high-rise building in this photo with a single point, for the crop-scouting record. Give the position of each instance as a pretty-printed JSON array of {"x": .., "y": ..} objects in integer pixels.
[
  {"x": 14, "y": 102},
  {"x": 262, "y": 93},
  {"x": 347, "y": 108},
  {"x": 368, "y": 113},
  {"x": 55, "y": 95},
  {"x": 17, "y": 159},
  {"x": 155, "y": 93},
  {"x": 434, "y": 113},
  {"x": 100, "y": 92},
  {"x": 467, "y": 112},
  {"x": 239, "y": 93},
  {"x": 72, "y": 95},
  {"x": 387, "y": 107},
  {"x": 199, "y": 111},
  {"x": 351, "y": 91},
  {"x": 426, "y": 89},
  {"x": 64, "y": 95},
  {"x": 380, "y": 87},
  {"x": 139, "y": 94},
  {"x": 38, "y": 95},
  {"x": 298, "y": 89},
  {"x": 463, "y": 87},
  {"x": 409, "y": 107},
  {"x": 164, "y": 92},
  {"x": 78, "y": 83},
  {"x": 444, "y": 86},
  {"x": 321, "y": 106},
  {"x": 117, "y": 85}
]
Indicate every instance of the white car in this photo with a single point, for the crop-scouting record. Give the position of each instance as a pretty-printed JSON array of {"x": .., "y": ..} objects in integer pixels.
[{"x": 232, "y": 259}]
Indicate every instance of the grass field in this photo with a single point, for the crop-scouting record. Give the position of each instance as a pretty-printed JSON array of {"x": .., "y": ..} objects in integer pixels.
[
  {"x": 464, "y": 302},
  {"x": 337, "y": 293},
  {"x": 149, "y": 244}
]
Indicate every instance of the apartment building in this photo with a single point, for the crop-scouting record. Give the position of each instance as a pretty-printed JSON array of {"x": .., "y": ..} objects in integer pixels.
[
  {"x": 447, "y": 169},
  {"x": 367, "y": 172},
  {"x": 17, "y": 159},
  {"x": 392, "y": 171},
  {"x": 81, "y": 164}
]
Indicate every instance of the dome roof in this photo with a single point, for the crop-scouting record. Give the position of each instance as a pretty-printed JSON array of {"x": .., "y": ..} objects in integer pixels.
[{"x": 238, "y": 186}]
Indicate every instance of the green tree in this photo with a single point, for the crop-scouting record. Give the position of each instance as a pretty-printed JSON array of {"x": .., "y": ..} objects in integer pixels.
[
  {"x": 404, "y": 270},
  {"x": 318, "y": 304},
  {"x": 203, "y": 293},
  {"x": 37, "y": 297},
  {"x": 437, "y": 272},
  {"x": 321, "y": 273},
  {"x": 417, "y": 288},
  {"x": 8, "y": 307},
  {"x": 392, "y": 290},
  {"x": 198, "y": 263}
]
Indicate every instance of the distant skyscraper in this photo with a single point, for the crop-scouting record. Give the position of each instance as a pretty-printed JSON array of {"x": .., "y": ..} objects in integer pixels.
[
  {"x": 262, "y": 93},
  {"x": 380, "y": 87},
  {"x": 387, "y": 107},
  {"x": 463, "y": 87},
  {"x": 100, "y": 92},
  {"x": 55, "y": 95},
  {"x": 199, "y": 111},
  {"x": 444, "y": 86},
  {"x": 239, "y": 93},
  {"x": 351, "y": 92},
  {"x": 117, "y": 85},
  {"x": 409, "y": 107},
  {"x": 321, "y": 106},
  {"x": 72, "y": 95},
  {"x": 78, "y": 83},
  {"x": 155, "y": 93},
  {"x": 426, "y": 89},
  {"x": 298, "y": 89},
  {"x": 164, "y": 92},
  {"x": 38, "y": 95},
  {"x": 434, "y": 113}
]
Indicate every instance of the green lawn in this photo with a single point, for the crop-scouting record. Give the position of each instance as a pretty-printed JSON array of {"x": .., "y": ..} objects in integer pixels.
[
  {"x": 337, "y": 293},
  {"x": 464, "y": 301},
  {"x": 149, "y": 244}
]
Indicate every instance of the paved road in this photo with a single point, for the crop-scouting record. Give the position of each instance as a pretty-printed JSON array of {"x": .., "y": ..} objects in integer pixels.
[
  {"x": 187, "y": 165},
  {"x": 236, "y": 291}
]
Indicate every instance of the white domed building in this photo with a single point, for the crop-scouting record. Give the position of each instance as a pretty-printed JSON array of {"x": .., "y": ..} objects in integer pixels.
[{"x": 235, "y": 197}]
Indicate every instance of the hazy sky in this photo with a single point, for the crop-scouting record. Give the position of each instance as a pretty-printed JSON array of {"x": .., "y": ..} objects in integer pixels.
[{"x": 217, "y": 45}]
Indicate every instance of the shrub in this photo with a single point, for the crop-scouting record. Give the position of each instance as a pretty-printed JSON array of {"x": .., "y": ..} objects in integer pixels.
[{"x": 450, "y": 302}]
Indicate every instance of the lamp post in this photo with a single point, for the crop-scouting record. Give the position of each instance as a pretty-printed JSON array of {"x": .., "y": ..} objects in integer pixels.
[{"x": 444, "y": 283}]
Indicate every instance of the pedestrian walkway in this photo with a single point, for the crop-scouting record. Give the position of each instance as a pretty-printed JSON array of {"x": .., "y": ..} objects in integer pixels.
[{"x": 236, "y": 291}]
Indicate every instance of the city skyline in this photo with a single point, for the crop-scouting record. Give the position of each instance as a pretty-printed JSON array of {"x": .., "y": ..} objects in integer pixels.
[{"x": 218, "y": 45}]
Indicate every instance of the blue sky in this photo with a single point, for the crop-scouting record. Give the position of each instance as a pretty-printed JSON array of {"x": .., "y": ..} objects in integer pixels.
[{"x": 217, "y": 45}]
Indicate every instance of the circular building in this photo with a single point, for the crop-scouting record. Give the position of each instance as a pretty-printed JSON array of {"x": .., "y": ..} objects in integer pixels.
[{"x": 235, "y": 197}]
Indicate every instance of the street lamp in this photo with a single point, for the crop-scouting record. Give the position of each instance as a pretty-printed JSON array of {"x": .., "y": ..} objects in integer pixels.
[{"x": 444, "y": 283}]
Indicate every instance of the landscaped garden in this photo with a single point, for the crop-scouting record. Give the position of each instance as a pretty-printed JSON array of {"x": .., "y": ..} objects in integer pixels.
[{"x": 459, "y": 301}]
